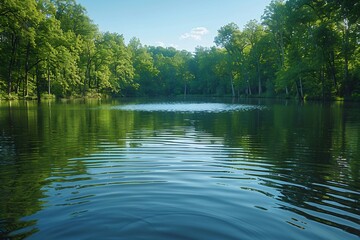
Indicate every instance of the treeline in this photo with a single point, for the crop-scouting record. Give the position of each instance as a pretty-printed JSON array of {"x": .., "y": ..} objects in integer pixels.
[{"x": 302, "y": 48}]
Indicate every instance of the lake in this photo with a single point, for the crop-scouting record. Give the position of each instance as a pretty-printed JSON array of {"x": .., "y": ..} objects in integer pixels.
[{"x": 175, "y": 169}]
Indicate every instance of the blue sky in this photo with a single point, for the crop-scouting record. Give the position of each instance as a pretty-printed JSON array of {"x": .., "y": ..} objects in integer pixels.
[{"x": 183, "y": 24}]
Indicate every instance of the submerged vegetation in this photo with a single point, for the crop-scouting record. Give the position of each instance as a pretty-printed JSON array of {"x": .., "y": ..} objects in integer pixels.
[{"x": 302, "y": 48}]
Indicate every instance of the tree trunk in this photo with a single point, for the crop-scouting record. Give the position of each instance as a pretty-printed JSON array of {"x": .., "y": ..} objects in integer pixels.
[
  {"x": 322, "y": 79},
  {"x": 27, "y": 69},
  {"x": 38, "y": 94},
  {"x": 249, "y": 88},
  {"x": 333, "y": 70},
  {"x": 301, "y": 89},
  {"x": 346, "y": 56},
  {"x": 26, "y": 83},
  {"x": 19, "y": 80},
  {"x": 11, "y": 63},
  {"x": 96, "y": 82},
  {"x": 48, "y": 78},
  {"x": 232, "y": 86},
  {"x": 259, "y": 77}
]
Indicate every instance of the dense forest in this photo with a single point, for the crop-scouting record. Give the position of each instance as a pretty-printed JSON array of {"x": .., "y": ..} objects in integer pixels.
[{"x": 302, "y": 49}]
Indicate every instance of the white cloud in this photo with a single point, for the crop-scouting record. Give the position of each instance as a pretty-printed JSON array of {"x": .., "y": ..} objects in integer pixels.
[
  {"x": 174, "y": 46},
  {"x": 195, "y": 34},
  {"x": 164, "y": 45},
  {"x": 160, "y": 44}
]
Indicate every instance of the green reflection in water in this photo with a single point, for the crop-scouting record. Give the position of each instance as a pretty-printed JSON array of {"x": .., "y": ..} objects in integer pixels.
[{"x": 308, "y": 153}]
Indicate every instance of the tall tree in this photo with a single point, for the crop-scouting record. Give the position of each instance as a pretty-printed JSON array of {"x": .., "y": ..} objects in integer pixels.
[
  {"x": 227, "y": 38},
  {"x": 17, "y": 22},
  {"x": 253, "y": 32},
  {"x": 275, "y": 19},
  {"x": 144, "y": 70},
  {"x": 121, "y": 68},
  {"x": 348, "y": 17}
]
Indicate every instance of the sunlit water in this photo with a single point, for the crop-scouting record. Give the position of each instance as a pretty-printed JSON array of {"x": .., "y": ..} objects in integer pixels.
[
  {"x": 179, "y": 170},
  {"x": 184, "y": 107}
]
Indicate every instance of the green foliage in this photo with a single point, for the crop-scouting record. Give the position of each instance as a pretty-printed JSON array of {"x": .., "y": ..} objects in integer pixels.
[
  {"x": 303, "y": 48},
  {"x": 145, "y": 72}
]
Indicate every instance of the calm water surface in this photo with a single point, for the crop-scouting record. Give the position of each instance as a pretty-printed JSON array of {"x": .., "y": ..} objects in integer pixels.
[{"x": 179, "y": 170}]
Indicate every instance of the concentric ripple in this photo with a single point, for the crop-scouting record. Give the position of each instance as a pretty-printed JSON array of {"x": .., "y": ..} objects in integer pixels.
[
  {"x": 179, "y": 171},
  {"x": 191, "y": 187}
]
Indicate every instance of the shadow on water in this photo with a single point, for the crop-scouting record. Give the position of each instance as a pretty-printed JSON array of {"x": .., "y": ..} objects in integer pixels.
[{"x": 120, "y": 167}]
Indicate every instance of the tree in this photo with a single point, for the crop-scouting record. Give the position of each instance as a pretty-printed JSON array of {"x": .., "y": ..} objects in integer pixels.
[
  {"x": 303, "y": 48},
  {"x": 18, "y": 19},
  {"x": 205, "y": 78},
  {"x": 227, "y": 38},
  {"x": 121, "y": 68},
  {"x": 144, "y": 70},
  {"x": 184, "y": 74},
  {"x": 253, "y": 32},
  {"x": 274, "y": 19},
  {"x": 347, "y": 15}
]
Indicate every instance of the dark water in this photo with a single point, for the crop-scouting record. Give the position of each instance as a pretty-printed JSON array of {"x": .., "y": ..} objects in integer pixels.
[{"x": 180, "y": 170}]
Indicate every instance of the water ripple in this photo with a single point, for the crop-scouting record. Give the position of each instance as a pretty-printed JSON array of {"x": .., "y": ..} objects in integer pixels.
[
  {"x": 188, "y": 183},
  {"x": 180, "y": 171},
  {"x": 188, "y": 107}
]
